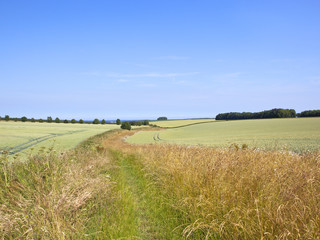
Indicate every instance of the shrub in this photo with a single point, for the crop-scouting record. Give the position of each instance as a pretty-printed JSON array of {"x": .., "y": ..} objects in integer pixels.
[
  {"x": 126, "y": 125},
  {"x": 24, "y": 119},
  {"x": 96, "y": 121}
]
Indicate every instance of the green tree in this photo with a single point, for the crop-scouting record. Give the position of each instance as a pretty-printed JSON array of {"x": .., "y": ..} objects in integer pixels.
[
  {"x": 118, "y": 122},
  {"x": 126, "y": 125},
  {"x": 162, "y": 118},
  {"x": 7, "y": 118},
  {"x": 15, "y": 119},
  {"x": 40, "y": 120},
  {"x": 33, "y": 120},
  {"x": 103, "y": 121},
  {"x": 96, "y": 121},
  {"x": 66, "y": 121},
  {"x": 73, "y": 120},
  {"x": 24, "y": 119},
  {"x": 49, "y": 119},
  {"x": 81, "y": 121},
  {"x": 57, "y": 120}
]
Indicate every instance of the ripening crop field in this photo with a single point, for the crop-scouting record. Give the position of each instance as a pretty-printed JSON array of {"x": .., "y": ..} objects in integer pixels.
[
  {"x": 180, "y": 123},
  {"x": 19, "y": 137},
  {"x": 297, "y": 134}
]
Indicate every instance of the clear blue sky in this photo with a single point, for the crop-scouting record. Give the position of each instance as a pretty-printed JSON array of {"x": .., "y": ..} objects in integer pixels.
[{"x": 145, "y": 59}]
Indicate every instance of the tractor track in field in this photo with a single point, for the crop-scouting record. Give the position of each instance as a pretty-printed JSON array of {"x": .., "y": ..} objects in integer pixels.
[{"x": 34, "y": 141}]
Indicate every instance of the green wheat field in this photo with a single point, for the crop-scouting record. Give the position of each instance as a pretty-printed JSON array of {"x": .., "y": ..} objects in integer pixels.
[
  {"x": 298, "y": 134},
  {"x": 20, "y": 137}
]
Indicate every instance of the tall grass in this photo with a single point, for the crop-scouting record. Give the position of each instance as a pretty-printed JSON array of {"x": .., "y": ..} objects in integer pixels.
[
  {"x": 52, "y": 195},
  {"x": 236, "y": 193}
]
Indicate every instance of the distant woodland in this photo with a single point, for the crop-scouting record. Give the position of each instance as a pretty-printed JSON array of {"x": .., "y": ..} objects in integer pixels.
[{"x": 273, "y": 113}]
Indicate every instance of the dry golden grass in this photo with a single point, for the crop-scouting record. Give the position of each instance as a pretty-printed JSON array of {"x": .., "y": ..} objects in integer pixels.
[
  {"x": 236, "y": 193},
  {"x": 50, "y": 196}
]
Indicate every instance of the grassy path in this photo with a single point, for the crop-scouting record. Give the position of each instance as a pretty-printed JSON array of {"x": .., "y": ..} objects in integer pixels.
[{"x": 144, "y": 213}]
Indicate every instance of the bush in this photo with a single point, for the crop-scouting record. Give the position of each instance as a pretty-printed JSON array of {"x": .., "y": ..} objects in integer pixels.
[
  {"x": 96, "y": 121},
  {"x": 126, "y": 125},
  {"x": 24, "y": 119},
  {"x": 73, "y": 121},
  {"x": 118, "y": 122}
]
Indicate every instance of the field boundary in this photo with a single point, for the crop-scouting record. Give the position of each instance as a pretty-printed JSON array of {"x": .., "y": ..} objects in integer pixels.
[{"x": 190, "y": 124}]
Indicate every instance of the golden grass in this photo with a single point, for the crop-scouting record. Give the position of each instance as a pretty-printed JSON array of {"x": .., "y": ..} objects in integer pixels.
[
  {"x": 50, "y": 196},
  {"x": 236, "y": 193}
]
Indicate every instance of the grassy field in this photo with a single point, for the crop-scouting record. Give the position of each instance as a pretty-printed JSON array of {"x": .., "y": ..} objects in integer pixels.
[
  {"x": 19, "y": 137},
  {"x": 298, "y": 134},
  {"x": 180, "y": 123},
  {"x": 108, "y": 189}
]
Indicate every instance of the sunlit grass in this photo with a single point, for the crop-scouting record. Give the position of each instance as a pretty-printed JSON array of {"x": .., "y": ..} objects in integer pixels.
[
  {"x": 302, "y": 134},
  {"x": 236, "y": 193},
  {"x": 180, "y": 123}
]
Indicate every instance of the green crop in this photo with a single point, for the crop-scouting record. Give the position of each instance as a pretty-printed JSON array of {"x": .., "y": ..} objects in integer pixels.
[
  {"x": 298, "y": 134},
  {"x": 18, "y": 137}
]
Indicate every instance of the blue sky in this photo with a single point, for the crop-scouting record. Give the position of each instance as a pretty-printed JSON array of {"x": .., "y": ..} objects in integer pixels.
[{"x": 145, "y": 59}]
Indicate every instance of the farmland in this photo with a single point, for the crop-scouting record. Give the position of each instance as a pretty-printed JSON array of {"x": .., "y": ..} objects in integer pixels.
[
  {"x": 298, "y": 134},
  {"x": 106, "y": 188},
  {"x": 19, "y": 137},
  {"x": 180, "y": 123}
]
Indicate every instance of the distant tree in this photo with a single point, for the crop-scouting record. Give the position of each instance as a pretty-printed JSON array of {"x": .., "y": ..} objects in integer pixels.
[
  {"x": 103, "y": 121},
  {"x": 6, "y": 117},
  {"x": 118, "y": 122},
  {"x": 66, "y": 121},
  {"x": 49, "y": 119},
  {"x": 40, "y": 120},
  {"x": 33, "y": 120},
  {"x": 162, "y": 118},
  {"x": 126, "y": 125},
  {"x": 73, "y": 120},
  {"x": 81, "y": 121},
  {"x": 15, "y": 119},
  {"x": 145, "y": 122},
  {"x": 24, "y": 119},
  {"x": 310, "y": 113},
  {"x": 57, "y": 120},
  {"x": 273, "y": 113},
  {"x": 96, "y": 121},
  {"x": 0, "y": 118}
]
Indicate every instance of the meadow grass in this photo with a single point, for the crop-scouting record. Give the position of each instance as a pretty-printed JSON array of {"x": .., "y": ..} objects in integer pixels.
[
  {"x": 180, "y": 123},
  {"x": 106, "y": 188},
  {"x": 299, "y": 134},
  {"x": 235, "y": 193},
  {"x": 53, "y": 196},
  {"x": 20, "y": 137}
]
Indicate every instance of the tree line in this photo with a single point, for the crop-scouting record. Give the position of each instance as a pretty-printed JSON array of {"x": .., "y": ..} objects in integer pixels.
[
  {"x": 127, "y": 124},
  {"x": 273, "y": 113},
  {"x": 309, "y": 113},
  {"x": 56, "y": 120}
]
